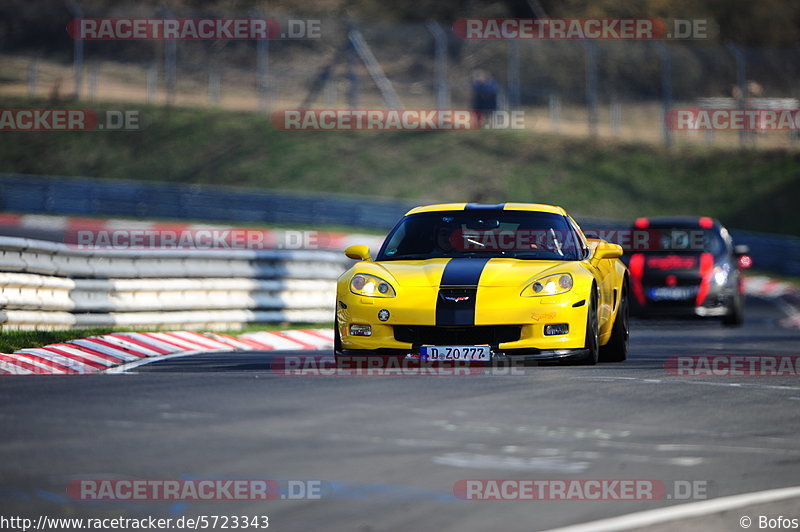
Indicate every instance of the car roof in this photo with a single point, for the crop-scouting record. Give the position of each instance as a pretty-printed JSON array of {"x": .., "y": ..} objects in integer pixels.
[{"x": 538, "y": 207}]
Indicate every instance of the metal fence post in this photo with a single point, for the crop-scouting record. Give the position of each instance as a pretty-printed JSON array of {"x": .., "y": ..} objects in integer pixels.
[
  {"x": 554, "y": 105},
  {"x": 77, "y": 47},
  {"x": 352, "y": 77},
  {"x": 32, "y": 72},
  {"x": 666, "y": 90},
  {"x": 170, "y": 61},
  {"x": 591, "y": 85},
  {"x": 331, "y": 93},
  {"x": 616, "y": 117},
  {"x": 440, "y": 65},
  {"x": 741, "y": 82},
  {"x": 502, "y": 99},
  {"x": 262, "y": 69},
  {"x": 214, "y": 85},
  {"x": 152, "y": 83},
  {"x": 92, "y": 82},
  {"x": 373, "y": 66},
  {"x": 513, "y": 75}
]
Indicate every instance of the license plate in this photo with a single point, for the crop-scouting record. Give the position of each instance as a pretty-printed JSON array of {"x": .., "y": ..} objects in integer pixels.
[
  {"x": 456, "y": 352},
  {"x": 672, "y": 293}
]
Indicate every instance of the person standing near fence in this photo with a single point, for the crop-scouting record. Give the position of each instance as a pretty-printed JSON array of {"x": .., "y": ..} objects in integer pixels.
[{"x": 484, "y": 94}]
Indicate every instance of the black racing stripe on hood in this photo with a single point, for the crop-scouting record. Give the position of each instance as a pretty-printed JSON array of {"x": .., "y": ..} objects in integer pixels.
[
  {"x": 463, "y": 272},
  {"x": 455, "y": 303}
]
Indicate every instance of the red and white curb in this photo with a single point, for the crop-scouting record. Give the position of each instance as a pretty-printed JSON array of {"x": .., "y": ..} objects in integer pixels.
[
  {"x": 106, "y": 353},
  {"x": 760, "y": 285},
  {"x": 786, "y": 295}
]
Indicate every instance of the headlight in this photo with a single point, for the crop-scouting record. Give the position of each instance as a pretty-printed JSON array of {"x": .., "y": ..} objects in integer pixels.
[
  {"x": 551, "y": 285},
  {"x": 370, "y": 286},
  {"x": 720, "y": 275}
]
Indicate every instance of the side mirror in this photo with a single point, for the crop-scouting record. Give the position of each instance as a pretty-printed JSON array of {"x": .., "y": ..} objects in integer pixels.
[
  {"x": 357, "y": 252},
  {"x": 604, "y": 250}
]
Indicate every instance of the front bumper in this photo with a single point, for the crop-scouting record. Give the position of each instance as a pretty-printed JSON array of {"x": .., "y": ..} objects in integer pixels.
[
  {"x": 496, "y": 307},
  {"x": 716, "y": 305},
  {"x": 506, "y": 356}
]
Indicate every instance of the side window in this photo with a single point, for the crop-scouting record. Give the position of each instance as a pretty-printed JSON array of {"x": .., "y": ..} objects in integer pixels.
[
  {"x": 582, "y": 244},
  {"x": 391, "y": 242}
]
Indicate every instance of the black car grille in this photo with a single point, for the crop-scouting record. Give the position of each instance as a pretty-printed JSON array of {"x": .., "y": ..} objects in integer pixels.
[{"x": 478, "y": 335}]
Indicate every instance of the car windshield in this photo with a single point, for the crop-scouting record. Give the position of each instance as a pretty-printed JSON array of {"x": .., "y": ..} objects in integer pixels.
[
  {"x": 685, "y": 239},
  {"x": 482, "y": 233}
]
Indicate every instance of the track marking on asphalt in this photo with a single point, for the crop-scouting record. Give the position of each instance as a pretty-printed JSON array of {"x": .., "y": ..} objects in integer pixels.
[
  {"x": 488, "y": 461},
  {"x": 684, "y": 461},
  {"x": 577, "y": 433},
  {"x": 568, "y": 434},
  {"x": 681, "y": 447},
  {"x": 682, "y": 511},
  {"x": 538, "y": 457},
  {"x": 694, "y": 382}
]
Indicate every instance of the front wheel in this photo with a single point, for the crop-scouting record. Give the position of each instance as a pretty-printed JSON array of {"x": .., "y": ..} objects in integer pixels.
[
  {"x": 592, "y": 341},
  {"x": 735, "y": 315},
  {"x": 616, "y": 350},
  {"x": 337, "y": 339}
]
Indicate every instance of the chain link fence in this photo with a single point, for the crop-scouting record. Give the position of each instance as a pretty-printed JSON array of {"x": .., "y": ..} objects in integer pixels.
[{"x": 615, "y": 89}]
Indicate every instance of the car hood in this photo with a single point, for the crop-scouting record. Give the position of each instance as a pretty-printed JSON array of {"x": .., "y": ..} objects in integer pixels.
[{"x": 495, "y": 272}]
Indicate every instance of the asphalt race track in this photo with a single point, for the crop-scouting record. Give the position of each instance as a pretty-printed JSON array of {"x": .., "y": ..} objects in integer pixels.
[{"x": 388, "y": 450}]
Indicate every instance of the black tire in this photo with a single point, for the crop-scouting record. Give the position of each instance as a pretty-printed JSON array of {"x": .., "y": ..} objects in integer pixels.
[
  {"x": 592, "y": 344},
  {"x": 337, "y": 340},
  {"x": 616, "y": 350},
  {"x": 735, "y": 314}
]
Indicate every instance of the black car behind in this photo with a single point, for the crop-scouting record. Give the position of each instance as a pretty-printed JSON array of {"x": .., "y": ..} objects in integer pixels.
[{"x": 686, "y": 267}]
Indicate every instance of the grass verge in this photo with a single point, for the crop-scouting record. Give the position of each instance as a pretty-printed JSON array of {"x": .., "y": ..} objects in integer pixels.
[{"x": 746, "y": 189}]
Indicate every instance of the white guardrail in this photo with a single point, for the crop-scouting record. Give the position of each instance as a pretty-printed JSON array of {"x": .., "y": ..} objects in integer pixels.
[{"x": 48, "y": 285}]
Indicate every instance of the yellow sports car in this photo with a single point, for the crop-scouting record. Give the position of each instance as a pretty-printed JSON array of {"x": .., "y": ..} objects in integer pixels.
[{"x": 464, "y": 281}]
